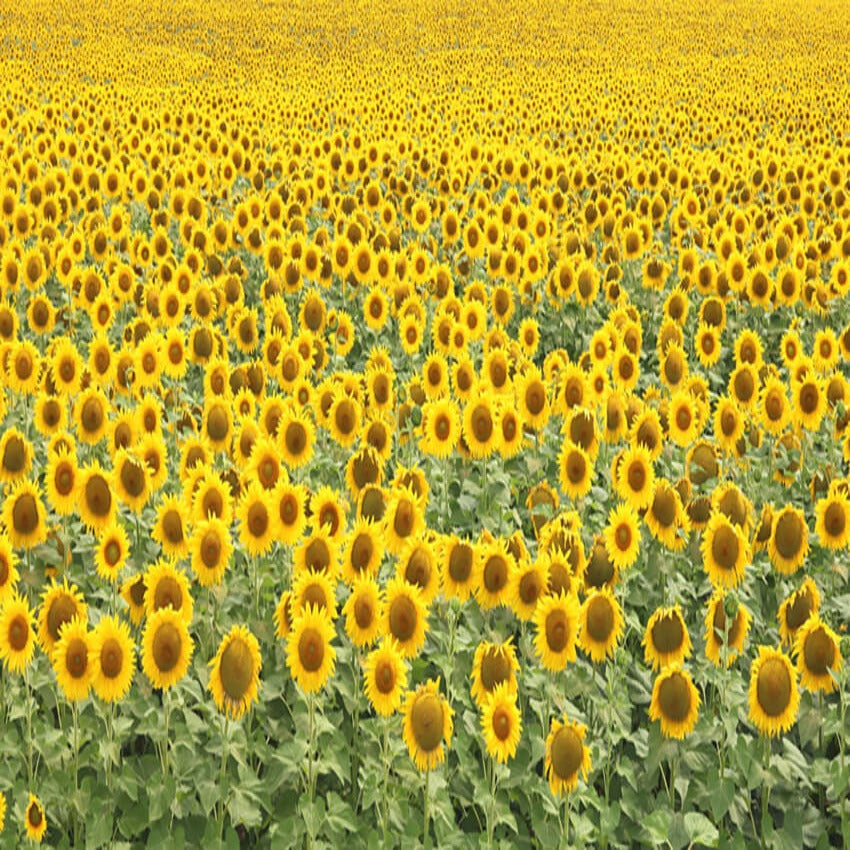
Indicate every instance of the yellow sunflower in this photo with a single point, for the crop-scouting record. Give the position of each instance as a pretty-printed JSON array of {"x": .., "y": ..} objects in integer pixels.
[
  {"x": 427, "y": 725},
  {"x": 168, "y": 587},
  {"x": 575, "y": 470},
  {"x": 818, "y": 652},
  {"x": 493, "y": 571},
  {"x": 501, "y": 723},
  {"x": 601, "y": 624},
  {"x": 385, "y": 677},
  {"x": 8, "y": 569},
  {"x": 288, "y": 502},
  {"x": 235, "y": 674},
  {"x": 789, "y": 540},
  {"x": 97, "y": 504},
  {"x": 133, "y": 593},
  {"x": 60, "y": 603},
  {"x": 17, "y": 633},
  {"x": 257, "y": 520},
  {"x": 529, "y": 584},
  {"x": 405, "y": 616},
  {"x": 773, "y": 694},
  {"x": 113, "y": 659},
  {"x": 362, "y": 552},
  {"x": 363, "y": 611},
  {"x": 210, "y": 547},
  {"x": 832, "y": 521},
  {"x": 720, "y": 626},
  {"x": 404, "y": 519},
  {"x": 636, "y": 477},
  {"x": 35, "y": 819},
  {"x": 556, "y": 621},
  {"x": 130, "y": 480},
  {"x": 458, "y": 559},
  {"x": 725, "y": 551},
  {"x": 666, "y": 641},
  {"x": 167, "y": 648},
  {"x": 675, "y": 702},
  {"x": 566, "y": 755},
  {"x": 622, "y": 536},
  {"x": 314, "y": 588},
  {"x": 493, "y": 664},
  {"x": 310, "y": 655},
  {"x": 15, "y": 456},
  {"x": 170, "y": 528},
  {"x": 72, "y": 660},
  {"x": 24, "y": 515}
]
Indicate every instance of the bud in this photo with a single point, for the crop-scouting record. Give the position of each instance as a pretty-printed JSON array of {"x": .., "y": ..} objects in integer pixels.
[
  {"x": 730, "y": 605},
  {"x": 416, "y": 416}
]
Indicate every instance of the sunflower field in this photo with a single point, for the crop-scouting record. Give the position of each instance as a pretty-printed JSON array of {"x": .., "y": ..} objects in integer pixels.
[{"x": 424, "y": 424}]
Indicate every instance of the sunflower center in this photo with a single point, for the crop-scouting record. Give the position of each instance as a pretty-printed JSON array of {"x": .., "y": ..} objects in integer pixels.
[
  {"x": 819, "y": 652},
  {"x": 14, "y": 455},
  {"x": 111, "y": 658},
  {"x": 426, "y": 718},
  {"x": 295, "y": 438},
  {"x": 664, "y": 507},
  {"x": 237, "y": 669},
  {"x": 168, "y": 592},
  {"x": 418, "y": 570},
  {"x": 809, "y": 398},
  {"x": 172, "y": 526},
  {"x": 502, "y": 723},
  {"x": 92, "y": 415},
  {"x": 495, "y": 573},
  {"x": 137, "y": 592},
  {"x": 64, "y": 480},
  {"x": 719, "y": 623},
  {"x": 62, "y": 610},
  {"x": 112, "y": 553},
  {"x": 530, "y": 588},
  {"x": 404, "y": 518},
  {"x": 482, "y": 423},
  {"x": 133, "y": 478},
  {"x": 51, "y": 412},
  {"x": 667, "y": 634},
  {"x": 317, "y": 556},
  {"x": 258, "y": 519},
  {"x": 442, "y": 427},
  {"x": 623, "y": 537},
  {"x": 636, "y": 477},
  {"x": 311, "y": 649},
  {"x": 774, "y": 687},
  {"x": 210, "y": 550},
  {"x": 495, "y": 668},
  {"x": 509, "y": 426},
  {"x": 557, "y": 630},
  {"x": 18, "y": 633},
  {"x": 789, "y": 535},
  {"x": 167, "y": 645},
  {"x": 23, "y": 365},
  {"x": 385, "y": 677},
  {"x": 799, "y": 610},
  {"x": 217, "y": 423},
  {"x": 566, "y": 753},
  {"x": 25, "y": 514},
  {"x": 403, "y": 617},
  {"x": 835, "y": 519},
  {"x": 364, "y": 612},
  {"x": 535, "y": 398},
  {"x": 600, "y": 569},
  {"x": 724, "y": 547},
  {"x": 344, "y": 417},
  {"x": 600, "y": 619},
  {"x": 34, "y": 816},
  {"x": 98, "y": 496},
  {"x": 674, "y": 698},
  {"x": 76, "y": 658},
  {"x": 460, "y": 563},
  {"x": 576, "y": 468}
]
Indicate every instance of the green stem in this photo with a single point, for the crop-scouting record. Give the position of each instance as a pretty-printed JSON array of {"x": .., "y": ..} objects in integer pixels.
[
  {"x": 166, "y": 700},
  {"x": 568, "y": 813},
  {"x": 27, "y": 697},
  {"x": 355, "y": 762},
  {"x": 446, "y": 523},
  {"x": 765, "y": 791},
  {"x": 491, "y": 814},
  {"x": 385, "y": 803},
  {"x": 75, "y": 711},
  {"x": 222, "y": 774},
  {"x": 426, "y": 832},
  {"x": 110, "y": 737},
  {"x": 673, "y": 759}
]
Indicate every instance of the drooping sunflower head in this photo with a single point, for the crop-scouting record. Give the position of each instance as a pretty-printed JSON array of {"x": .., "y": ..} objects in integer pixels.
[
  {"x": 60, "y": 604},
  {"x": 493, "y": 664},
  {"x": 727, "y": 622},
  {"x": 235, "y": 674},
  {"x": 818, "y": 653}
]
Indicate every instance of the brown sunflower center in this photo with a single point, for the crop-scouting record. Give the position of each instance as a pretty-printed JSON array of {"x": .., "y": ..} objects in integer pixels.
[
  {"x": 14, "y": 455},
  {"x": 167, "y": 645},
  {"x": 211, "y": 550},
  {"x": 76, "y": 658},
  {"x": 600, "y": 619},
  {"x": 19, "y": 631},
  {"x": 111, "y": 658},
  {"x": 774, "y": 687},
  {"x": 623, "y": 537},
  {"x": 295, "y": 438},
  {"x": 168, "y": 592},
  {"x": 819, "y": 652},
  {"x": 495, "y": 668},
  {"x": 237, "y": 669},
  {"x": 62, "y": 610},
  {"x": 137, "y": 592},
  {"x": 725, "y": 547},
  {"x": 799, "y": 610},
  {"x": 317, "y": 555},
  {"x": 674, "y": 698},
  {"x": 404, "y": 518},
  {"x": 64, "y": 479},
  {"x": 530, "y": 588},
  {"x": 502, "y": 723},
  {"x": 809, "y": 398},
  {"x": 426, "y": 720},
  {"x": 576, "y": 468},
  {"x": 664, "y": 507},
  {"x": 364, "y": 612},
  {"x": 557, "y": 630},
  {"x": 98, "y": 496},
  {"x": 311, "y": 649},
  {"x": 495, "y": 573},
  {"x": 403, "y": 618},
  {"x": 789, "y": 535},
  {"x": 34, "y": 815},
  {"x": 385, "y": 676},
  {"x": 667, "y": 633},
  {"x": 217, "y": 424},
  {"x": 112, "y": 553},
  {"x": 482, "y": 423},
  {"x": 535, "y": 398},
  {"x": 92, "y": 415},
  {"x": 835, "y": 519},
  {"x": 133, "y": 478},
  {"x": 636, "y": 477},
  {"x": 25, "y": 514},
  {"x": 172, "y": 526},
  {"x": 566, "y": 753},
  {"x": 258, "y": 519},
  {"x": 345, "y": 418},
  {"x": 460, "y": 563}
]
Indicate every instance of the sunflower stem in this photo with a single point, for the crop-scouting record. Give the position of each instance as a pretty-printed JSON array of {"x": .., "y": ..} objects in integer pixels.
[
  {"x": 110, "y": 737},
  {"x": 568, "y": 814},
  {"x": 822, "y": 788},
  {"x": 355, "y": 764},
  {"x": 426, "y": 833},
  {"x": 222, "y": 773},
  {"x": 27, "y": 697},
  {"x": 673, "y": 759},
  {"x": 446, "y": 491},
  {"x": 75, "y": 711},
  {"x": 765, "y": 791},
  {"x": 491, "y": 814},
  {"x": 166, "y": 700},
  {"x": 385, "y": 803},
  {"x": 256, "y": 561}
]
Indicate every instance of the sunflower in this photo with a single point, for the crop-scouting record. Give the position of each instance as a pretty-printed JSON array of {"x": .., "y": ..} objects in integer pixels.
[
  {"x": 405, "y": 616},
  {"x": 72, "y": 660},
  {"x": 61, "y": 479},
  {"x": 111, "y": 551},
  {"x": 789, "y": 540},
  {"x": 773, "y": 694},
  {"x": 666, "y": 641},
  {"x": 133, "y": 593},
  {"x": 575, "y": 470},
  {"x": 493, "y": 571},
  {"x": 666, "y": 518},
  {"x": 635, "y": 477},
  {"x": 289, "y": 504},
  {"x": 35, "y": 819},
  {"x": 168, "y": 587},
  {"x": 314, "y": 588},
  {"x": 501, "y": 724},
  {"x": 296, "y": 438},
  {"x": 91, "y": 415},
  {"x": 49, "y": 416},
  {"x": 601, "y": 624},
  {"x": 556, "y": 621},
  {"x": 457, "y": 561},
  {"x": 441, "y": 427},
  {"x": 235, "y": 674},
  {"x": 257, "y": 520},
  {"x": 528, "y": 586},
  {"x": 385, "y": 677},
  {"x": 404, "y": 519},
  {"x": 8, "y": 569},
  {"x": 675, "y": 702},
  {"x": 344, "y": 419},
  {"x": 774, "y": 407},
  {"x": 328, "y": 510},
  {"x": 622, "y": 536},
  {"x": 210, "y": 548},
  {"x": 60, "y": 603},
  {"x": 24, "y": 515},
  {"x": 493, "y": 664},
  {"x": 818, "y": 652},
  {"x": 725, "y": 551},
  {"x": 427, "y": 724},
  {"x": 15, "y": 456},
  {"x": 96, "y": 502},
  {"x": 809, "y": 401},
  {"x": 362, "y": 552},
  {"x": 318, "y": 552},
  {"x": 17, "y": 633},
  {"x": 310, "y": 655},
  {"x": 363, "y": 611},
  {"x": 566, "y": 755},
  {"x": 480, "y": 430},
  {"x": 283, "y": 615},
  {"x": 114, "y": 659},
  {"x": 532, "y": 399},
  {"x": 167, "y": 648},
  {"x": 832, "y": 521},
  {"x": 417, "y": 565},
  {"x": 721, "y": 625}
]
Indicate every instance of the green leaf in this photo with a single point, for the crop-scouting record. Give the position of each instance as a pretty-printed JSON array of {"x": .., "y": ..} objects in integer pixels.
[
  {"x": 701, "y": 830},
  {"x": 721, "y": 798},
  {"x": 244, "y": 808},
  {"x": 657, "y": 824}
]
